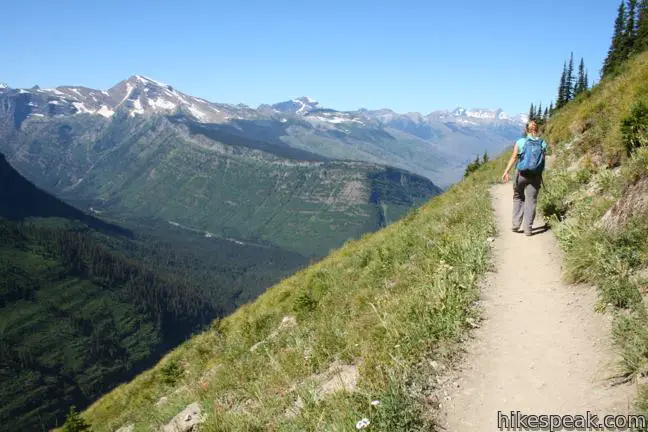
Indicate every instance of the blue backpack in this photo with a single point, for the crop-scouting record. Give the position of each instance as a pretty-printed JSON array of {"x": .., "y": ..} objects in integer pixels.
[{"x": 532, "y": 158}]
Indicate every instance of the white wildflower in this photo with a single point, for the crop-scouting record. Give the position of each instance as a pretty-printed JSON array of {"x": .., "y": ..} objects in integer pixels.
[
  {"x": 362, "y": 423},
  {"x": 375, "y": 403}
]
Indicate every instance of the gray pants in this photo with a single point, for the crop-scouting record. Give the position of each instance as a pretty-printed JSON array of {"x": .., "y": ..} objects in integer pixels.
[{"x": 525, "y": 197}]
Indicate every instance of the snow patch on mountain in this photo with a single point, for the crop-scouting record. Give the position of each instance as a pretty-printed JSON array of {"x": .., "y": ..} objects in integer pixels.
[
  {"x": 197, "y": 113},
  {"x": 81, "y": 108},
  {"x": 105, "y": 111},
  {"x": 147, "y": 80},
  {"x": 161, "y": 103},
  {"x": 138, "y": 109}
]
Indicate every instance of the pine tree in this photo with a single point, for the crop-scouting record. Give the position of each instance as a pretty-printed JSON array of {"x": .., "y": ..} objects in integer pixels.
[
  {"x": 485, "y": 158},
  {"x": 539, "y": 112},
  {"x": 581, "y": 82},
  {"x": 569, "y": 81},
  {"x": 74, "y": 422},
  {"x": 545, "y": 115},
  {"x": 641, "y": 39},
  {"x": 532, "y": 112},
  {"x": 560, "y": 101},
  {"x": 616, "y": 47},
  {"x": 551, "y": 109},
  {"x": 630, "y": 31}
]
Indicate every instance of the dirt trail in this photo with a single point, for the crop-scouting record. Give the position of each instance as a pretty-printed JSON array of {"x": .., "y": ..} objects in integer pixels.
[{"x": 541, "y": 348}]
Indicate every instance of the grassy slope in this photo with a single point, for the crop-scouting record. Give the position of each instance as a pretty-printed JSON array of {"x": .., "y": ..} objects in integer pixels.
[
  {"x": 593, "y": 172},
  {"x": 392, "y": 303}
]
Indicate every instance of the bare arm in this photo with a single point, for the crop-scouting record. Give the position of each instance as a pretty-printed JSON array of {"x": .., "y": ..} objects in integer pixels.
[{"x": 511, "y": 161}]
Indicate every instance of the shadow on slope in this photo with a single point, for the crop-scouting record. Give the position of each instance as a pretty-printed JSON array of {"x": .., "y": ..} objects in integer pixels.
[{"x": 20, "y": 199}]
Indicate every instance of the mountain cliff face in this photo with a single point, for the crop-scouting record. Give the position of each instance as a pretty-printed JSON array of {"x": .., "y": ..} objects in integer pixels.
[{"x": 163, "y": 156}]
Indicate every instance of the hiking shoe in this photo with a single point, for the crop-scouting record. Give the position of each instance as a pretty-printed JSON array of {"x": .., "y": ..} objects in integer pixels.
[{"x": 515, "y": 229}]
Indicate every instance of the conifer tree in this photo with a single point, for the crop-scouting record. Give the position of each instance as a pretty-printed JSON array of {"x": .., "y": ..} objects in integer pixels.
[
  {"x": 551, "y": 108},
  {"x": 74, "y": 422},
  {"x": 560, "y": 101},
  {"x": 532, "y": 112},
  {"x": 641, "y": 39},
  {"x": 485, "y": 157},
  {"x": 629, "y": 32},
  {"x": 569, "y": 81},
  {"x": 545, "y": 115},
  {"x": 581, "y": 82},
  {"x": 538, "y": 115},
  {"x": 616, "y": 47}
]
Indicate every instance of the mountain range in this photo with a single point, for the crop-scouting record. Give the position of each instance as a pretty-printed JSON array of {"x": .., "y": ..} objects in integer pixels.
[
  {"x": 437, "y": 145},
  {"x": 293, "y": 175}
]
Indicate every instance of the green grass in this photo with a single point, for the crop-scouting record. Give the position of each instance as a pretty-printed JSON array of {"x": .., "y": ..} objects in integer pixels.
[
  {"x": 598, "y": 164},
  {"x": 389, "y": 304}
]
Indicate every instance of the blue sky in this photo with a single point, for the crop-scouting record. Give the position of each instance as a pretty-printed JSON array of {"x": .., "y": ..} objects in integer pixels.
[{"x": 408, "y": 55}]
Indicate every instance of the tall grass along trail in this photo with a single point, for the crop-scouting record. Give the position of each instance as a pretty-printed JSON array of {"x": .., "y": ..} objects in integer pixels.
[{"x": 541, "y": 348}]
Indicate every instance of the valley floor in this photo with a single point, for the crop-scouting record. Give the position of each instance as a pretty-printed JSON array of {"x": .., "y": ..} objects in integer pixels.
[{"x": 541, "y": 349}]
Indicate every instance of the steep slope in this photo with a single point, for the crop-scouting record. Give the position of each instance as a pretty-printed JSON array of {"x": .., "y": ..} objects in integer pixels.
[
  {"x": 75, "y": 318},
  {"x": 596, "y": 199},
  {"x": 223, "y": 183},
  {"x": 20, "y": 199},
  {"x": 85, "y": 305},
  {"x": 382, "y": 314}
]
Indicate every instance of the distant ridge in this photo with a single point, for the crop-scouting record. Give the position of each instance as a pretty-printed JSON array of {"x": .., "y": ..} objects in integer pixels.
[{"x": 20, "y": 199}]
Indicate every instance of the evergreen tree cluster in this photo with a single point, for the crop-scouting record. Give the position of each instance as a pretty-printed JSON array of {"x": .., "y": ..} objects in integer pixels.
[
  {"x": 630, "y": 34},
  {"x": 474, "y": 165},
  {"x": 538, "y": 114},
  {"x": 572, "y": 85}
]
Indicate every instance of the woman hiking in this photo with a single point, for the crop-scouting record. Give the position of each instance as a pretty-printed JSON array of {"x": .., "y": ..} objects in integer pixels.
[{"x": 529, "y": 152}]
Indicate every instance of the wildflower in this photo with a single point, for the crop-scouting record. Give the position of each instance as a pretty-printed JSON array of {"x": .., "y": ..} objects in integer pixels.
[
  {"x": 362, "y": 423},
  {"x": 375, "y": 403}
]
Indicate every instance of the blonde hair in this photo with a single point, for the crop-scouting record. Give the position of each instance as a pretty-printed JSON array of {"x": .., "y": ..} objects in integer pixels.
[{"x": 526, "y": 129}]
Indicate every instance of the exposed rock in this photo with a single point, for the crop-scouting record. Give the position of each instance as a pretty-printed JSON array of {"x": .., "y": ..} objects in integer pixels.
[
  {"x": 343, "y": 377},
  {"x": 186, "y": 421},
  {"x": 287, "y": 322},
  {"x": 338, "y": 377},
  {"x": 163, "y": 401},
  {"x": 633, "y": 203},
  {"x": 128, "y": 428}
]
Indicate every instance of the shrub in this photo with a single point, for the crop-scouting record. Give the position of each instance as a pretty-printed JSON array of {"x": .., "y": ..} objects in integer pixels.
[
  {"x": 634, "y": 128},
  {"x": 74, "y": 422},
  {"x": 171, "y": 372}
]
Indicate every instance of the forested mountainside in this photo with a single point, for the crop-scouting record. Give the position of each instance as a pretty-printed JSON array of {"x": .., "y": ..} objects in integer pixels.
[
  {"x": 220, "y": 183},
  {"x": 85, "y": 304}
]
